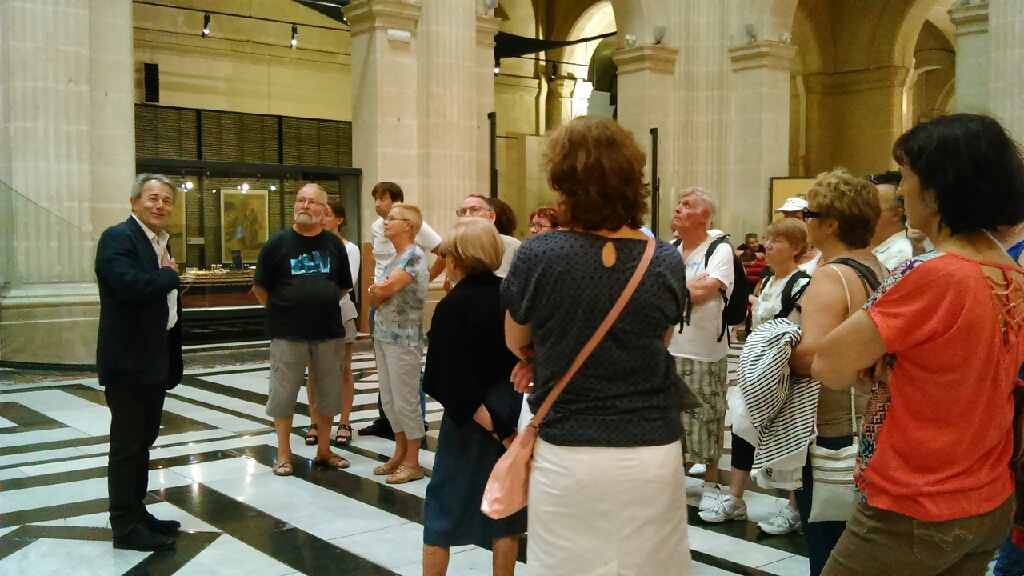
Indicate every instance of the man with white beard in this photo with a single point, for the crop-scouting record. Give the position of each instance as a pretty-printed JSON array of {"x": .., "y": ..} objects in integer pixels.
[{"x": 301, "y": 274}]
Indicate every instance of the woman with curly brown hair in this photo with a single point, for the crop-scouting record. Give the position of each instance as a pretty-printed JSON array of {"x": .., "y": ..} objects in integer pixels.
[
  {"x": 841, "y": 216},
  {"x": 607, "y": 486}
]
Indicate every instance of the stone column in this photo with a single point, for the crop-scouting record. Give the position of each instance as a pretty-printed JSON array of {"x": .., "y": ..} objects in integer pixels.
[
  {"x": 67, "y": 151},
  {"x": 645, "y": 94},
  {"x": 448, "y": 104},
  {"x": 559, "y": 101},
  {"x": 112, "y": 111},
  {"x": 853, "y": 118},
  {"x": 1006, "y": 80},
  {"x": 972, "y": 56},
  {"x": 760, "y": 132},
  {"x": 486, "y": 29},
  {"x": 385, "y": 115}
]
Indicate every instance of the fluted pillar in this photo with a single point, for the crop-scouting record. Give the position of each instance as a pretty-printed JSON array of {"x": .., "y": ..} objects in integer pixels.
[
  {"x": 486, "y": 29},
  {"x": 385, "y": 116},
  {"x": 448, "y": 104},
  {"x": 1006, "y": 66},
  {"x": 645, "y": 94},
  {"x": 760, "y": 132},
  {"x": 972, "y": 56},
  {"x": 67, "y": 151}
]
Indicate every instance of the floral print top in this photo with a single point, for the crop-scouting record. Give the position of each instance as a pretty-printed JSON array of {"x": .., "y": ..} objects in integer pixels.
[{"x": 399, "y": 319}]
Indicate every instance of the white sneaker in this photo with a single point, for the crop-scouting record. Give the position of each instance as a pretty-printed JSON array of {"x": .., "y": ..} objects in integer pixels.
[
  {"x": 727, "y": 508},
  {"x": 697, "y": 469},
  {"x": 787, "y": 520},
  {"x": 711, "y": 495}
]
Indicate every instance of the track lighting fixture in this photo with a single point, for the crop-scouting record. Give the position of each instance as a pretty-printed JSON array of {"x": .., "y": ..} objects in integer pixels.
[
  {"x": 206, "y": 25},
  {"x": 295, "y": 36}
]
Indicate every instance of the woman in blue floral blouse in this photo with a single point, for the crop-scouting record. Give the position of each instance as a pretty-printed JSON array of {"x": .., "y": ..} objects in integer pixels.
[{"x": 400, "y": 299}]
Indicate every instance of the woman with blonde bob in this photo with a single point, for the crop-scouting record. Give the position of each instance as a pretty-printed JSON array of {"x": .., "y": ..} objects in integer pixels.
[
  {"x": 607, "y": 490},
  {"x": 401, "y": 298},
  {"x": 468, "y": 371}
]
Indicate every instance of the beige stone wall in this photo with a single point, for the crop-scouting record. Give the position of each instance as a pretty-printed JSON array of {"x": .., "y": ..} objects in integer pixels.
[{"x": 246, "y": 64}]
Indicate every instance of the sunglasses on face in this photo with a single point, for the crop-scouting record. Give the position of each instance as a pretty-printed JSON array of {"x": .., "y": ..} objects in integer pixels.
[{"x": 807, "y": 213}]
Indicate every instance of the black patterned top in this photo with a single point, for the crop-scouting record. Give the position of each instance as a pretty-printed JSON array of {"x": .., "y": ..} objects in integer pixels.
[{"x": 622, "y": 395}]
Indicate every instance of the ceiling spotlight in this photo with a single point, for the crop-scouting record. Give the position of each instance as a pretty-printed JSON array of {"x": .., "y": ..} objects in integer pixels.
[
  {"x": 295, "y": 36},
  {"x": 244, "y": 187},
  {"x": 186, "y": 185},
  {"x": 497, "y": 66},
  {"x": 206, "y": 25},
  {"x": 272, "y": 187}
]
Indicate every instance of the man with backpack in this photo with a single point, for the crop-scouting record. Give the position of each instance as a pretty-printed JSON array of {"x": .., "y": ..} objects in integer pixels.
[{"x": 700, "y": 346}]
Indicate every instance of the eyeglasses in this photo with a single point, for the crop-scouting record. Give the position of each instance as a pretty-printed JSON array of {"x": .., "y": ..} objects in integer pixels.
[
  {"x": 463, "y": 212},
  {"x": 536, "y": 226},
  {"x": 393, "y": 218},
  {"x": 307, "y": 201},
  {"x": 810, "y": 214}
]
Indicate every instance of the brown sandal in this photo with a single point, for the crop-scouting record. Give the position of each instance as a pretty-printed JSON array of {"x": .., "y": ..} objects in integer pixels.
[
  {"x": 388, "y": 468},
  {"x": 343, "y": 440},
  {"x": 311, "y": 435},
  {"x": 283, "y": 468},
  {"x": 405, "y": 474},
  {"x": 332, "y": 461}
]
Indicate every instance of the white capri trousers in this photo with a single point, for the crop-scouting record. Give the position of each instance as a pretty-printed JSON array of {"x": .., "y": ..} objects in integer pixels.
[
  {"x": 398, "y": 372},
  {"x": 607, "y": 511}
]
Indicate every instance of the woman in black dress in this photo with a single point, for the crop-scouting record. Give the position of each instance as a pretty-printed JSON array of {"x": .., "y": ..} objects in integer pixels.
[{"x": 467, "y": 371}]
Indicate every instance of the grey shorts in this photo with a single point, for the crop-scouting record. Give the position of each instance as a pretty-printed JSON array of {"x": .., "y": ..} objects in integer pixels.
[{"x": 288, "y": 360}]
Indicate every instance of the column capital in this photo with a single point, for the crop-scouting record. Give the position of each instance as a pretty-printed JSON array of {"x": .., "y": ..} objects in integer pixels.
[
  {"x": 486, "y": 29},
  {"x": 969, "y": 17},
  {"x": 764, "y": 54},
  {"x": 367, "y": 15},
  {"x": 658, "y": 59},
  {"x": 857, "y": 81},
  {"x": 562, "y": 86}
]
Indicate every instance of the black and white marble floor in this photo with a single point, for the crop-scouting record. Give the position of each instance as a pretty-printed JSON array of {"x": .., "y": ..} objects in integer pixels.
[{"x": 211, "y": 471}]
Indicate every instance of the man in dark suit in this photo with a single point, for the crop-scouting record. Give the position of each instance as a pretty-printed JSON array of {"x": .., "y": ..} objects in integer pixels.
[{"x": 138, "y": 356}]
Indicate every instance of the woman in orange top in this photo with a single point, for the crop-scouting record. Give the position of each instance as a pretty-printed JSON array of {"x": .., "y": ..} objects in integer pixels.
[{"x": 945, "y": 336}]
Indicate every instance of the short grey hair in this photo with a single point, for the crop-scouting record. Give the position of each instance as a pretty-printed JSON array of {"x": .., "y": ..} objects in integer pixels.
[
  {"x": 706, "y": 200},
  {"x": 314, "y": 185},
  {"x": 487, "y": 201},
  {"x": 141, "y": 180}
]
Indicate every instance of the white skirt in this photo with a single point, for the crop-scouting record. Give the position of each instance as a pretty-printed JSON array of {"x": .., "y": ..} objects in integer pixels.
[{"x": 607, "y": 511}]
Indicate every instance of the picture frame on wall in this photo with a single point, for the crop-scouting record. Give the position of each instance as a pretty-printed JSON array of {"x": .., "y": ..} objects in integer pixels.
[{"x": 244, "y": 223}]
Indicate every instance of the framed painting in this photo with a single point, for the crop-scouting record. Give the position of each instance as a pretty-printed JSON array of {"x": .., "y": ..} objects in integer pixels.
[{"x": 244, "y": 223}]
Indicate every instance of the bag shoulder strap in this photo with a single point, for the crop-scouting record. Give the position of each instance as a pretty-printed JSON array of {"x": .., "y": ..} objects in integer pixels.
[
  {"x": 714, "y": 246},
  {"x": 866, "y": 274},
  {"x": 790, "y": 295},
  {"x": 613, "y": 315}
]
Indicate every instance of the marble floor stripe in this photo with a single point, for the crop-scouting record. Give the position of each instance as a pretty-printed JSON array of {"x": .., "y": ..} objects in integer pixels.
[
  {"x": 51, "y": 541},
  {"x": 24, "y": 417},
  {"x": 282, "y": 541}
]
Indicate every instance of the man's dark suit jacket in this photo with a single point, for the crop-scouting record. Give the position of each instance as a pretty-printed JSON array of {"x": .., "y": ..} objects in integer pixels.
[{"x": 135, "y": 347}]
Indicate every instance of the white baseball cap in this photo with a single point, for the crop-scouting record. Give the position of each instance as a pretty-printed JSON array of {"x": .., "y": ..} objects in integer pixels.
[{"x": 794, "y": 204}]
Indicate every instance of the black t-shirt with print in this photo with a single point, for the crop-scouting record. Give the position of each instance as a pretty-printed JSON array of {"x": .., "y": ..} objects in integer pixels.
[{"x": 303, "y": 277}]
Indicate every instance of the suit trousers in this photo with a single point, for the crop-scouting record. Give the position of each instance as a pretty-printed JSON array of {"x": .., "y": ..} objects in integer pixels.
[{"x": 134, "y": 425}]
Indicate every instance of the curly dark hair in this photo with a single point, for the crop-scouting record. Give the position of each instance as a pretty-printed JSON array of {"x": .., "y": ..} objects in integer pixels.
[
  {"x": 394, "y": 191},
  {"x": 598, "y": 168},
  {"x": 972, "y": 168},
  {"x": 548, "y": 213},
  {"x": 504, "y": 217}
]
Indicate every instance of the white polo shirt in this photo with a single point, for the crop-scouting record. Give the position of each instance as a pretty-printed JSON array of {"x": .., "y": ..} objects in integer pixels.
[{"x": 699, "y": 339}]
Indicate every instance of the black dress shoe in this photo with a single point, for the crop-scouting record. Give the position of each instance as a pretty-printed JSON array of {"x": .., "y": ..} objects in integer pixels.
[
  {"x": 142, "y": 538},
  {"x": 164, "y": 527},
  {"x": 380, "y": 428}
]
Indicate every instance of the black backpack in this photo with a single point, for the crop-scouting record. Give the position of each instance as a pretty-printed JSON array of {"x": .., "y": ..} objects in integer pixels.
[
  {"x": 790, "y": 297},
  {"x": 735, "y": 312},
  {"x": 867, "y": 275}
]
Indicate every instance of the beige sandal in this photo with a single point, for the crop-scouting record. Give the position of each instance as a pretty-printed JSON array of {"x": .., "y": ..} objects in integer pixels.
[
  {"x": 405, "y": 474},
  {"x": 388, "y": 468}
]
